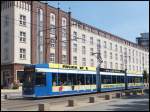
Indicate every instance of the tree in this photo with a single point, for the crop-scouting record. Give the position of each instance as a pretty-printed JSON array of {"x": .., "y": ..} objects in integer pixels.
[{"x": 145, "y": 76}]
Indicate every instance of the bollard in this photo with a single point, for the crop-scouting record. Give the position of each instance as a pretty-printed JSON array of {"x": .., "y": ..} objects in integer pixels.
[
  {"x": 108, "y": 97},
  {"x": 91, "y": 100},
  {"x": 118, "y": 95},
  {"x": 6, "y": 96},
  {"x": 44, "y": 107},
  {"x": 70, "y": 103}
]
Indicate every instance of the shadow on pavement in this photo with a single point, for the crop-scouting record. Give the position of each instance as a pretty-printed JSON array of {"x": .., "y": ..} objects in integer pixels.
[{"x": 134, "y": 105}]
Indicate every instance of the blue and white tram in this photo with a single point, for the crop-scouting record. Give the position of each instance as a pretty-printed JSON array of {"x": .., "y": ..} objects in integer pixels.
[{"x": 46, "y": 80}]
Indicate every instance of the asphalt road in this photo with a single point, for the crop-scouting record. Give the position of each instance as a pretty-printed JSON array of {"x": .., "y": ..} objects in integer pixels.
[{"x": 131, "y": 103}]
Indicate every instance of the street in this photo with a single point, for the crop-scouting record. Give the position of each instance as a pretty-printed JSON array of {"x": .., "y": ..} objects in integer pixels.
[{"x": 132, "y": 103}]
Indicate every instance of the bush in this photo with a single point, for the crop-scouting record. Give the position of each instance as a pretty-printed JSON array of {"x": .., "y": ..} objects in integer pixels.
[{"x": 15, "y": 86}]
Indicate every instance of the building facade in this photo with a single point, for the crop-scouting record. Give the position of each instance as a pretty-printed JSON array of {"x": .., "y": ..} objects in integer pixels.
[
  {"x": 143, "y": 40},
  {"x": 116, "y": 53},
  {"x": 34, "y": 32},
  {"x": 15, "y": 39}
]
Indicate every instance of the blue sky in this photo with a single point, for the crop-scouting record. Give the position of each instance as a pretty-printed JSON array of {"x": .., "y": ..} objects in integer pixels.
[{"x": 126, "y": 19}]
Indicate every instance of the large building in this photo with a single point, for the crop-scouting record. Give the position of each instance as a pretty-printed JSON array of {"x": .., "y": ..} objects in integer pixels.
[
  {"x": 116, "y": 52},
  {"x": 143, "y": 40},
  {"x": 15, "y": 39},
  {"x": 29, "y": 37},
  {"x": 34, "y": 32}
]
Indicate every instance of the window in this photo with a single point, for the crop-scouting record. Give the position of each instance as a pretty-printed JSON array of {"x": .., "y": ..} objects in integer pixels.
[
  {"x": 52, "y": 57},
  {"x": 114, "y": 79},
  {"x": 83, "y": 50},
  {"x": 136, "y": 61},
  {"x": 83, "y": 61},
  {"x": 91, "y": 51},
  {"x": 106, "y": 79},
  {"x": 6, "y": 37},
  {"x": 98, "y": 44},
  {"x": 105, "y": 54},
  {"x": 22, "y": 53},
  {"x": 23, "y": 20},
  {"x": 129, "y": 51},
  {"x": 64, "y": 45},
  {"x": 74, "y": 47},
  {"x": 116, "y": 47},
  {"x": 22, "y": 36},
  {"x": 121, "y": 49},
  {"x": 91, "y": 40},
  {"x": 136, "y": 68},
  {"x": 52, "y": 44},
  {"x": 6, "y": 54},
  {"x": 52, "y": 18},
  {"x": 6, "y": 21},
  {"x": 116, "y": 56},
  {"x": 133, "y": 60},
  {"x": 133, "y": 53},
  {"x": 52, "y": 29},
  {"x": 133, "y": 68},
  {"x": 111, "y": 66},
  {"x": 121, "y": 66},
  {"x": 111, "y": 55},
  {"x": 129, "y": 67},
  {"x": 64, "y": 59},
  {"x": 105, "y": 44},
  {"x": 75, "y": 36},
  {"x": 75, "y": 60},
  {"x": 110, "y": 46},
  {"x": 40, "y": 79},
  {"x": 121, "y": 57},
  {"x": 116, "y": 65},
  {"x": 92, "y": 62},
  {"x": 83, "y": 38},
  {"x": 105, "y": 64}
]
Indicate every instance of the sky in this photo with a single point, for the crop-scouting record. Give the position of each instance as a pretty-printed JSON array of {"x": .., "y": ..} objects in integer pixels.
[{"x": 126, "y": 19}]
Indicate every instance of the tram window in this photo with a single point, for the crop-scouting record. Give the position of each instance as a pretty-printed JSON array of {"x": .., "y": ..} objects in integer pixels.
[
  {"x": 113, "y": 79},
  {"x": 106, "y": 79},
  {"x": 54, "y": 79},
  {"x": 141, "y": 79},
  {"x": 128, "y": 79},
  {"x": 121, "y": 79},
  {"x": 81, "y": 79},
  {"x": 137, "y": 79},
  {"x": 94, "y": 79},
  {"x": 62, "y": 79},
  {"x": 72, "y": 79},
  {"x": 88, "y": 79},
  {"x": 40, "y": 79}
]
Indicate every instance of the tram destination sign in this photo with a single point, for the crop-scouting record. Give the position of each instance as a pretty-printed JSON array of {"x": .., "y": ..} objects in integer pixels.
[
  {"x": 111, "y": 70},
  {"x": 66, "y": 66}
]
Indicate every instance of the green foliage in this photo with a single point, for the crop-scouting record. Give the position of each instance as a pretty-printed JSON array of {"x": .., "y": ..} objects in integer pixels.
[{"x": 15, "y": 86}]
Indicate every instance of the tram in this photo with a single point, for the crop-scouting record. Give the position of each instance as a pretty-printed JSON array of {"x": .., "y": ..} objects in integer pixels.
[{"x": 47, "y": 80}]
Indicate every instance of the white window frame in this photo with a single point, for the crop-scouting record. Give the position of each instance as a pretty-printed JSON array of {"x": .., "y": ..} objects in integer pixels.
[{"x": 22, "y": 53}]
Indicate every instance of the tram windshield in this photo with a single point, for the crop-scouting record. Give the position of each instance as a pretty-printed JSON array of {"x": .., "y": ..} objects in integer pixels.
[{"x": 28, "y": 77}]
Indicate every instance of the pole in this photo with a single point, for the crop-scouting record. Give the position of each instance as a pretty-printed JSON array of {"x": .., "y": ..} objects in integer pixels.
[{"x": 98, "y": 75}]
